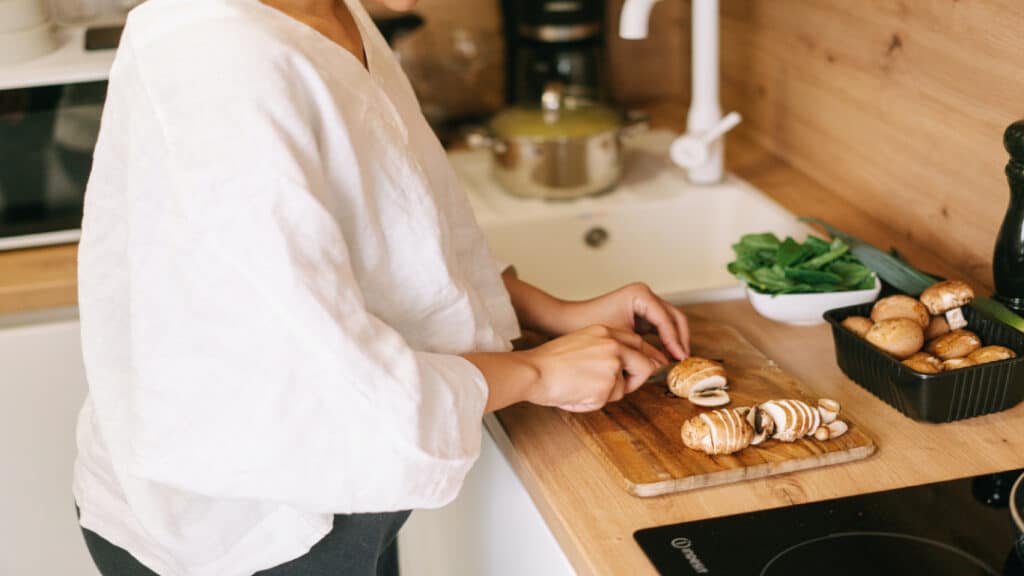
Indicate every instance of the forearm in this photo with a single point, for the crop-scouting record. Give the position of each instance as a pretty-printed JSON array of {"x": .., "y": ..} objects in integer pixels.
[
  {"x": 537, "y": 310},
  {"x": 510, "y": 376}
]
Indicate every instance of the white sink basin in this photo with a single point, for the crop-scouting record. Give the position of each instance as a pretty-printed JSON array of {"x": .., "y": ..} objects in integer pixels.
[{"x": 655, "y": 227}]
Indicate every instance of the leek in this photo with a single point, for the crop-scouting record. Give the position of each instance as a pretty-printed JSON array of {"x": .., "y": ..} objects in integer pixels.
[{"x": 908, "y": 279}]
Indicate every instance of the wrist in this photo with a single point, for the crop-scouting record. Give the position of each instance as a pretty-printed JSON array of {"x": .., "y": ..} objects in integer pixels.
[
  {"x": 537, "y": 310},
  {"x": 511, "y": 377}
]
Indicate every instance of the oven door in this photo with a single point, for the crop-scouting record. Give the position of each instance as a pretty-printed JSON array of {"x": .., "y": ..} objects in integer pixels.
[{"x": 47, "y": 137}]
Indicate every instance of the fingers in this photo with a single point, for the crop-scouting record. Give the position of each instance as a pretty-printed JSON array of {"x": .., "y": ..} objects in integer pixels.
[
  {"x": 637, "y": 367},
  {"x": 618, "y": 390},
  {"x": 637, "y": 342},
  {"x": 682, "y": 326},
  {"x": 658, "y": 312}
]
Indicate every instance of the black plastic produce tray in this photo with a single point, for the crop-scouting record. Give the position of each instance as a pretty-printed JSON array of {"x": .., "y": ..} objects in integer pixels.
[{"x": 942, "y": 397}]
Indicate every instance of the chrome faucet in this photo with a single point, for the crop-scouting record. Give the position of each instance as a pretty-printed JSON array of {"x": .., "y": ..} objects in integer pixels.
[{"x": 700, "y": 150}]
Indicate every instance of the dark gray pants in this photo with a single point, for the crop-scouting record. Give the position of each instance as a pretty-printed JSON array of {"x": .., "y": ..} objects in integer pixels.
[{"x": 358, "y": 545}]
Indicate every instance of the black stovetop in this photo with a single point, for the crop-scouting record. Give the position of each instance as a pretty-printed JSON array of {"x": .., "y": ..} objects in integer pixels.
[{"x": 960, "y": 527}]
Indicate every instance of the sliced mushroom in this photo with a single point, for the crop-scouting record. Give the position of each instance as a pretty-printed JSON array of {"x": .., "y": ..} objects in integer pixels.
[
  {"x": 900, "y": 306},
  {"x": 956, "y": 344},
  {"x": 958, "y": 363},
  {"x": 831, "y": 430},
  {"x": 947, "y": 298},
  {"x": 829, "y": 409},
  {"x": 712, "y": 398},
  {"x": 762, "y": 424},
  {"x": 992, "y": 353},
  {"x": 698, "y": 380},
  {"x": 924, "y": 363},
  {"x": 859, "y": 325},
  {"x": 900, "y": 337},
  {"x": 937, "y": 327}
]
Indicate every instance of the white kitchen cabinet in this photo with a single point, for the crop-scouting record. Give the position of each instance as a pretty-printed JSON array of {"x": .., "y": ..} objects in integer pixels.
[
  {"x": 491, "y": 529},
  {"x": 42, "y": 385}
]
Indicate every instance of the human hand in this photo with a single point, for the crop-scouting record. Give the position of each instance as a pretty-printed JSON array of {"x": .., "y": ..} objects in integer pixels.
[
  {"x": 634, "y": 308},
  {"x": 589, "y": 368}
]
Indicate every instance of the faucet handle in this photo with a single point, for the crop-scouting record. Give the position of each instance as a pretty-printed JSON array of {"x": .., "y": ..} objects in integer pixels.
[{"x": 692, "y": 150}]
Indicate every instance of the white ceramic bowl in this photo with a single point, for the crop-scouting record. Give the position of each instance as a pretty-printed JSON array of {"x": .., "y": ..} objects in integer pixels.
[
  {"x": 16, "y": 15},
  {"x": 27, "y": 44},
  {"x": 807, "y": 309}
]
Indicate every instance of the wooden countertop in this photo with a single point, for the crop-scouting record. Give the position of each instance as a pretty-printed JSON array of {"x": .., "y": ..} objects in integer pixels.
[
  {"x": 37, "y": 278},
  {"x": 593, "y": 517}
]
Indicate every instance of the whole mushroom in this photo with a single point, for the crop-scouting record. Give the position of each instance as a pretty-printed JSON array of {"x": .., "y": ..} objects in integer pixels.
[
  {"x": 946, "y": 298},
  {"x": 958, "y": 363},
  {"x": 936, "y": 327},
  {"x": 900, "y": 337},
  {"x": 924, "y": 363},
  {"x": 859, "y": 325},
  {"x": 900, "y": 306},
  {"x": 992, "y": 353},
  {"x": 956, "y": 344}
]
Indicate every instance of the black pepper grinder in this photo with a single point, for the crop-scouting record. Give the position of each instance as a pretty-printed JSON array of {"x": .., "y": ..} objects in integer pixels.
[{"x": 1008, "y": 262}]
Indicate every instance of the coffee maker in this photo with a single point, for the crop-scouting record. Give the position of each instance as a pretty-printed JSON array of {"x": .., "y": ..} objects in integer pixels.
[{"x": 553, "y": 41}]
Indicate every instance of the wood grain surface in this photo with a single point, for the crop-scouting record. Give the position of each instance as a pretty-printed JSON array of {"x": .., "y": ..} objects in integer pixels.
[
  {"x": 593, "y": 517},
  {"x": 37, "y": 278},
  {"x": 638, "y": 438}
]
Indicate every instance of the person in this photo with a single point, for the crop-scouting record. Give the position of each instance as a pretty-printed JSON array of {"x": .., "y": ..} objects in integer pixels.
[{"x": 291, "y": 323}]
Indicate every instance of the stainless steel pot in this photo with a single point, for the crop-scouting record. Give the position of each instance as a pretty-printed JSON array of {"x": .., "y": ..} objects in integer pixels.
[
  {"x": 1017, "y": 512},
  {"x": 558, "y": 151}
]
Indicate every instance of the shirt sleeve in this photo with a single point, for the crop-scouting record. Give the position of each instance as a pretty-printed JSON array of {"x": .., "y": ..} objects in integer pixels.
[{"x": 259, "y": 373}]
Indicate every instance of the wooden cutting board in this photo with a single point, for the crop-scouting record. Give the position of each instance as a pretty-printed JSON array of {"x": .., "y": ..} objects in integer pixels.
[{"x": 638, "y": 437}]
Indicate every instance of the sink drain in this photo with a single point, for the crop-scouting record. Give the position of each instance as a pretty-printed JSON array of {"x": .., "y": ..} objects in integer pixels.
[{"x": 595, "y": 237}]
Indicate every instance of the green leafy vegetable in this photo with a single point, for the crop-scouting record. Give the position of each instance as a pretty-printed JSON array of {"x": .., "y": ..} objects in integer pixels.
[
  {"x": 774, "y": 266},
  {"x": 906, "y": 278}
]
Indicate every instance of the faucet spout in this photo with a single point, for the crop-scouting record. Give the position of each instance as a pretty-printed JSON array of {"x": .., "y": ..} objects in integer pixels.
[
  {"x": 705, "y": 110},
  {"x": 635, "y": 18}
]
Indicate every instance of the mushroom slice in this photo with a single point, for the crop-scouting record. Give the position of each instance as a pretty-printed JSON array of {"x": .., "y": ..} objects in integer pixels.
[
  {"x": 831, "y": 430},
  {"x": 992, "y": 353},
  {"x": 722, "y": 431},
  {"x": 947, "y": 298},
  {"x": 900, "y": 306},
  {"x": 829, "y": 409},
  {"x": 793, "y": 419},
  {"x": 900, "y": 337},
  {"x": 762, "y": 424},
  {"x": 696, "y": 375},
  {"x": 710, "y": 398}
]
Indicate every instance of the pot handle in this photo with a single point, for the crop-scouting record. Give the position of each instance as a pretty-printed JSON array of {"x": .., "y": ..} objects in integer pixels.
[
  {"x": 480, "y": 138},
  {"x": 636, "y": 122}
]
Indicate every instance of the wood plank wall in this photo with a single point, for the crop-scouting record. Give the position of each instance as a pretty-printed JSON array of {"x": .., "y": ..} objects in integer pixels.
[{"x": 897, "y": 105}]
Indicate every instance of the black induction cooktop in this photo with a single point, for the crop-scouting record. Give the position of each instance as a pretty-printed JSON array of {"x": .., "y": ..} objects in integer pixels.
[{"x": 960, "y": 527}]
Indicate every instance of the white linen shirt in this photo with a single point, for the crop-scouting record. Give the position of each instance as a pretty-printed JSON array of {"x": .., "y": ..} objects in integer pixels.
[{"x": 277, "y": 271}]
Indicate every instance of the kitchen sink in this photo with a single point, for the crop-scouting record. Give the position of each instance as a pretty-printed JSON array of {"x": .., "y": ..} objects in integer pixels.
[{"x": 654, "y": 227}]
